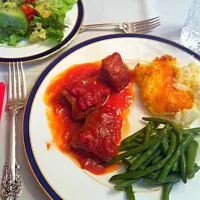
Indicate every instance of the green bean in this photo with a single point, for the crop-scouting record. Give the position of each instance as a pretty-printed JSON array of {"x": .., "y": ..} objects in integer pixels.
[
  {"x": 172, "y": 178},
  {"x": 132, "y": 137},
  {"x": 144, "y": 156},
  {"x": 179, "y": 136},
  {"x": 129, "y": 193},
  {"x": 139, "y": 134},
  {"x": 165, "y": 145},
  {"x": 128, "y": 146},
  {"x": 162, "y": 121},
  {"x": 181, "y": 162},
  {"x": 157, "y": 159},
  {"x": 147, "y": 134},
  {"x": 196, "y": 167},
  {"x": 125, "y": 183},
  {"x": 194, "y": 131},
  {"x": 191, "y": 152},
  {"x": 132, "y": 159},
  {"x": 166, "y": 191},
  {"x": 153, "y": 175},
  {"x": 183, "y": 168},
  {"x": 150, "y": 159},
  {"x": 154, "y": 132},
  {"x": 116, "y": 181},
  {"x": 126, "y": 154},
  {"x": 136, "y": 150},
  {"x": 175, "y": 166},
  {"x": 169, "y": 179},
  {"x": 138, "y": 140},
  {"x": 159, "y": 165},
  {"x": 178, "y": 152}
]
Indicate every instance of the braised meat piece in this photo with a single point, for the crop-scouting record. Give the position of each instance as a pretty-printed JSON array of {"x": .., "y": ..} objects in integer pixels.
[
  {"x": 100, "y": 133},
  {"x": 85, "y": 96},
  {"x": 115, "y": 72}
]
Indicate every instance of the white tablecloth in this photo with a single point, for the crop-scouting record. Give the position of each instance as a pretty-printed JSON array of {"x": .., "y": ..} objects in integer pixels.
[{"x": 172, "y": 13}]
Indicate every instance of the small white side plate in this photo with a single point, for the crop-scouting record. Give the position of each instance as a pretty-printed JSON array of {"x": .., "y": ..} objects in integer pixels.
[{"x": 25, "y": 51}]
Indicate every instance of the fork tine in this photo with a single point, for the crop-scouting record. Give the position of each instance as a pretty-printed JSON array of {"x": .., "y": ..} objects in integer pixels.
[
  {"x": 147, "y": 23},
  {"x": 23, "y": 83},
  {"x": 9, "y": 82},
  {"x": 19, "y": 84},
  {"x": 14, "y": 86},
  {"x": 147, "y": 28},
  {"x": 148, "y": 20}
]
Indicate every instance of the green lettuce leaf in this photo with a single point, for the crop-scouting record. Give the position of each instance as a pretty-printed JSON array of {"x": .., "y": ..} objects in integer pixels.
[
  {"x": 70, "y": 2},
  {"x": 14, "y": 39},
  {"x": 54, "y": 34},
  {"x": 11, "y": 30},
  {"x": 61, "y": 6},
  {"x": 54, "y": 24},
  {"x": 65, "y": 7},
  {"x": 1, "y": 4},
  {"x": 8, "y": 36},
  {"x": 55, "y": 21},
  {"x": 11, "y": 40},
  {"x": 4, "y": 39}
]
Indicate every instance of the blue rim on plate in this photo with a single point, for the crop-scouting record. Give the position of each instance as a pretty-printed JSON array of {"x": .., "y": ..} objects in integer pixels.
[
  {"x": 26, "y": 139},
  {"x": 57, "y": 47}
]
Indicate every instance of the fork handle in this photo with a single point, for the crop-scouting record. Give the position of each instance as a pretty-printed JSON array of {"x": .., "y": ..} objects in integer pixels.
[
  {"x": 11, "y": 186},
  {"x": 12, "y": 143},
  {"x": 93, "y": 26}
]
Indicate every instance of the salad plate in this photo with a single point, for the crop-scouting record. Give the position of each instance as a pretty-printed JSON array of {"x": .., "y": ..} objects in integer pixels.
[
  {"x": 57, "y": 174},
  {"x": 35, "y": 46}
]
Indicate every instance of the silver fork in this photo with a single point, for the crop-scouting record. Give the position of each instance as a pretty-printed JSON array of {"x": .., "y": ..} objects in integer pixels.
[
  {"x": 144, "y": 26},
  {"x": 11, "y": 186}
]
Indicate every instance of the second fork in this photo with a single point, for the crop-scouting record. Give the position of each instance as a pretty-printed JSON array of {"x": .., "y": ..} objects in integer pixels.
[
  {"x": 11, "y": 186},
  {"x": 144, "y": 26}
]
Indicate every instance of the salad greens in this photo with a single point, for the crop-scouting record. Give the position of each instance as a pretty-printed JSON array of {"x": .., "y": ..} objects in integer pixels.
[{"x": 36, "y": 20}]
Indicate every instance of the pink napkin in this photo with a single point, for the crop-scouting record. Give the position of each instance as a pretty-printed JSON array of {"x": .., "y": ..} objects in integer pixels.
[{"x": 2, "y": 91}]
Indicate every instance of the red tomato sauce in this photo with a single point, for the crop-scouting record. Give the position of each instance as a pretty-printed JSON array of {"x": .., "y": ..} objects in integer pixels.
[
  {"x": 63, "y": 127},
  {"x": 48, "y": 145}
]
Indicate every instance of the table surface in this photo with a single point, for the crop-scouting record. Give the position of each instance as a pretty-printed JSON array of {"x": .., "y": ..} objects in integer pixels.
[{"x": 172, "y": 14}]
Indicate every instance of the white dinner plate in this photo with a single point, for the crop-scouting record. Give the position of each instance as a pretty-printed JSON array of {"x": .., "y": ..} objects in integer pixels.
[
  {"x": 28, "y": 52},
  {"x": 57, "y": 174}
]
